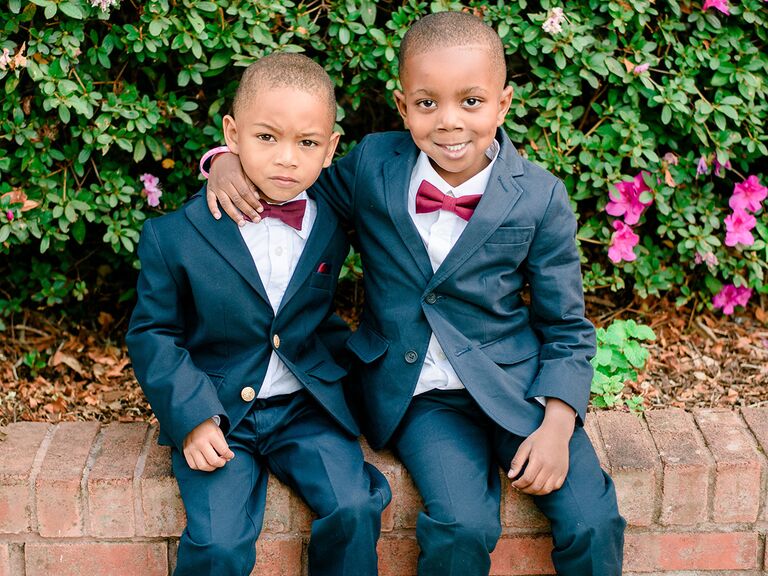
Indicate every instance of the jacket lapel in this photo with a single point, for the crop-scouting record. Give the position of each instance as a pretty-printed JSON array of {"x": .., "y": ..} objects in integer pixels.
[
  {"x": 498, "y": 199},
  {"x": 397, "y": 174},
  {"x": 226, "y": 239},
  {"x": 322, "y": 231}
]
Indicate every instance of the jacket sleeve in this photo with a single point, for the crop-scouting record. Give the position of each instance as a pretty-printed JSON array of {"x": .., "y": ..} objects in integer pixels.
[
  {"x": 336, "y": 185},
  {"x": 181, "y": 395},
  {"x": 557, "y": 308}
]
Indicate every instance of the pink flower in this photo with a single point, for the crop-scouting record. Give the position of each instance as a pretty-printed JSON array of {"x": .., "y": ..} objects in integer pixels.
[
  {"x": 748, "y": 195},
  {"x": 721, "y": 5},
  {"x": 554, "y": 21},
  {"x": 710, "y": 259},
  {"x": 731, "y": 296},
  {"x": 622, "y": 243},
  {"x": 738, "y": 224},
  {"x": 640, "y": 68},
  {"x": 719, "y": 167},
  {"x": 671, "y": 158},
  {"x": 151, "y": 189},
  {"x": 702, "y": 167},
  {"x": 5, "y": 59},
  {"x": 9, "y": 215},
  {"x": 625, "y": 200},
  {"x": 105, "y": 5}
]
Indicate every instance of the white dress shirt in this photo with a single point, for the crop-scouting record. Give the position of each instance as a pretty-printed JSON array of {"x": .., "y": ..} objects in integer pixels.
[
  {"x": 275, "y": 248},
  {"x": 440, "y": 230}
]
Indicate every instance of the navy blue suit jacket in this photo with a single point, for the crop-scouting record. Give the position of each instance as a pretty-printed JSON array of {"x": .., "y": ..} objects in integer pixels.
[
  {"x": 203, "y": 327},
  {"x": 522, "y": 232}
]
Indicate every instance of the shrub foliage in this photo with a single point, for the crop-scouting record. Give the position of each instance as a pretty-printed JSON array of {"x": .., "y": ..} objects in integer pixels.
[{"x": 667, "y": 99}]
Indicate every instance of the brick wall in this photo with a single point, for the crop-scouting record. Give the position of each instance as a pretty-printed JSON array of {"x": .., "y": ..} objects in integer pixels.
[{"x": 84, "y": 499}]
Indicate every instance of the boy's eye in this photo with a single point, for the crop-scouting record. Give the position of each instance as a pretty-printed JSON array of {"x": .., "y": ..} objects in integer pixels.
[
  {"x": 308, "y": 143},
  {"x": 426, "y": 103},
  {"x": 265, "y": 137},
  {"x": 473, "y": 102}
]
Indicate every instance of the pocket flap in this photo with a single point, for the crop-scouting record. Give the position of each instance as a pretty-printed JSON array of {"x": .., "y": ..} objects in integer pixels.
[
  {"x": 511, "y": 349},
  {"x": 327, "y": 372},
  {"x": 367, "y": 344}
]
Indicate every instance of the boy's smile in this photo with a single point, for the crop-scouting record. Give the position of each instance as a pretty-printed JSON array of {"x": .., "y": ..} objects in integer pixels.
[{"x": 452, "y": 102}]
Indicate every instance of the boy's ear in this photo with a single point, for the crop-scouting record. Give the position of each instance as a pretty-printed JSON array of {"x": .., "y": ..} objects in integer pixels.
[
  {"x": 504, "y": 103},
  {"x": 230, "y": 133},
  {"x": 331, "y": 149},
  {"x": 402, "y": 108}
]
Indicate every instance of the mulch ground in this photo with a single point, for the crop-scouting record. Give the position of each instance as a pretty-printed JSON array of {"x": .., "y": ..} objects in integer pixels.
[{"x": 54, "y": 371}]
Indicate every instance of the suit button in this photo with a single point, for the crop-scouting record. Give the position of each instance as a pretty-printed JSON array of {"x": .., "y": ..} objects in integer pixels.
[
  {"x": 276, "y": 341},
  {"x": 247, "y": 394},
  {"x": 431, "y": 298},
  {"x": 411, "y": 356}
]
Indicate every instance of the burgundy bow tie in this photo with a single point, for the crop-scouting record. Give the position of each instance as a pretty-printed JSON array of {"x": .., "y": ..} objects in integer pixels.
[
  {"x": 429, "y": 198},
  {"x": 292, "y": 213}
]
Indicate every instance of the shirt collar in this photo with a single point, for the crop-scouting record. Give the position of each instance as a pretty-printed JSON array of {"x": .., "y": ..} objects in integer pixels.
[{"x": 475, "y": 185}]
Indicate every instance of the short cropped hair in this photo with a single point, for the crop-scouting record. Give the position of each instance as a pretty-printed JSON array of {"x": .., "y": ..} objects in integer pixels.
[
  {"x": 283, "y": 69},
  {"x": 448, "y": 30}
]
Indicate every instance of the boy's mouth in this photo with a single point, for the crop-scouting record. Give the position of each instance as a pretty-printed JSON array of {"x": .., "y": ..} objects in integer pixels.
[
  {"x": 453, "y": 147},
  {"x": 284, "y": 181}
]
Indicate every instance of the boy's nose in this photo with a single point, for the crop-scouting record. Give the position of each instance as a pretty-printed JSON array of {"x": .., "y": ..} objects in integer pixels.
[
  {"x": 286, "y": 155},
  {"x": 450, "y": 119}
]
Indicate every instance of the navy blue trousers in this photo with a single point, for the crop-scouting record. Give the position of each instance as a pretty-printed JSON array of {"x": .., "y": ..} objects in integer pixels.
[
  {"x": 292, "y": 437},
  {"x": 453, "y": 452}
]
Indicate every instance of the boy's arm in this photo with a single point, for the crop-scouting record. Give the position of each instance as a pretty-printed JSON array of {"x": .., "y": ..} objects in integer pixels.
[
  {"x": 230, "y": 187},
  {"x": 181, "y": 395},
  {"x": 553, "y": 270}
]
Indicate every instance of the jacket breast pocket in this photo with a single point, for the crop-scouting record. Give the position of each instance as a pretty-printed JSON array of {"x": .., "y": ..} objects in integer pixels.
[
  {"x": 511, "y": 235},
  {"x": 321, "y": 280}
]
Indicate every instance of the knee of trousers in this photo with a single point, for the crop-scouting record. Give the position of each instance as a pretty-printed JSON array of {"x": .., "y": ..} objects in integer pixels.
[
  {"x": 221, "y": 557},
  {"x": 599, "y": 531},
  {"x": 467, "y": 532}
]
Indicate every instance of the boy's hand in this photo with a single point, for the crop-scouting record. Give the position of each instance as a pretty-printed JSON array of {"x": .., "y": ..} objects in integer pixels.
[
  {"x": 544, "y": 454},
  {"x": 228, "y": 184},
  {"x": 205, "y": 447}
]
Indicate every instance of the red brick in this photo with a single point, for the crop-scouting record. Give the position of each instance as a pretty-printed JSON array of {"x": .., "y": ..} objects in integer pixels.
[
  {"x": 397, "y": 556},
  {"x": 518, "y": 509},
  {"x": 738, "y": 467},
  {"x": 692, "y": 551},
  {"x": 522, "y": 555},
  {"x": 18, "y": 450},
  {"x": 278, "y": 557},
  {"x": 592, "y": 429},
  {"x": 161, "y": 506},
  {"x": 301, "y": 516},
  {"x": 97, "y": 559},
  {"x": 60, "y": 509},
  {"x": 757, "y": 420},
  {"x": 633, "y": 464},
  {"x": 686, "y": 464},
  {"x": 277, "y": 514},
  {"x": 110, "y": 482},
  {"x": 5, "y": 560}
]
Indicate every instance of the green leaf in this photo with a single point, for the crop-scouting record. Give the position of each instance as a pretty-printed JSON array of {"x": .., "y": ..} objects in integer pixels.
[
  {"x": 344, "y": 35},
  {"x": 72, "y": 10},
  {"x": 368, "y": 12},
  {"x": 139, "y": 151}
]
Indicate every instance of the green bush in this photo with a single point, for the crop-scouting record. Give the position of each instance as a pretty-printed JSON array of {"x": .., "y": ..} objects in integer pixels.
[{"x": 95, "y": 96}]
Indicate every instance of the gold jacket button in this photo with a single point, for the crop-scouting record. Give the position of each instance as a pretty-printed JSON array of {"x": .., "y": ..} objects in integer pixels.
[
  {"x": 276, "y": 341},
  {"x": 247, "y": 394}
]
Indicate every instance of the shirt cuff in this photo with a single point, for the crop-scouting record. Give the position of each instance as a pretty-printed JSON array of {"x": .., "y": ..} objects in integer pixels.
[
  {"x": 217, "y": 419},
  {"x": 211, "y": 154}
]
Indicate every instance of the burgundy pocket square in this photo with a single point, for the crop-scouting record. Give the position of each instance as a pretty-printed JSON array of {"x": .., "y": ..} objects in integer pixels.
[{"x": 323, "y": 268}]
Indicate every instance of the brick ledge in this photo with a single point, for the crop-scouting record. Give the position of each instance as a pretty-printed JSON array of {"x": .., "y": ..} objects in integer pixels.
[{"x": 80, "y": 498}]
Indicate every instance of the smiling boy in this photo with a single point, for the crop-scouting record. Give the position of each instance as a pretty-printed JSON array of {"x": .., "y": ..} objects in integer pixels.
[
  {"x": 456, "y": 373},
  {"x": 233, "y": 342}
]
